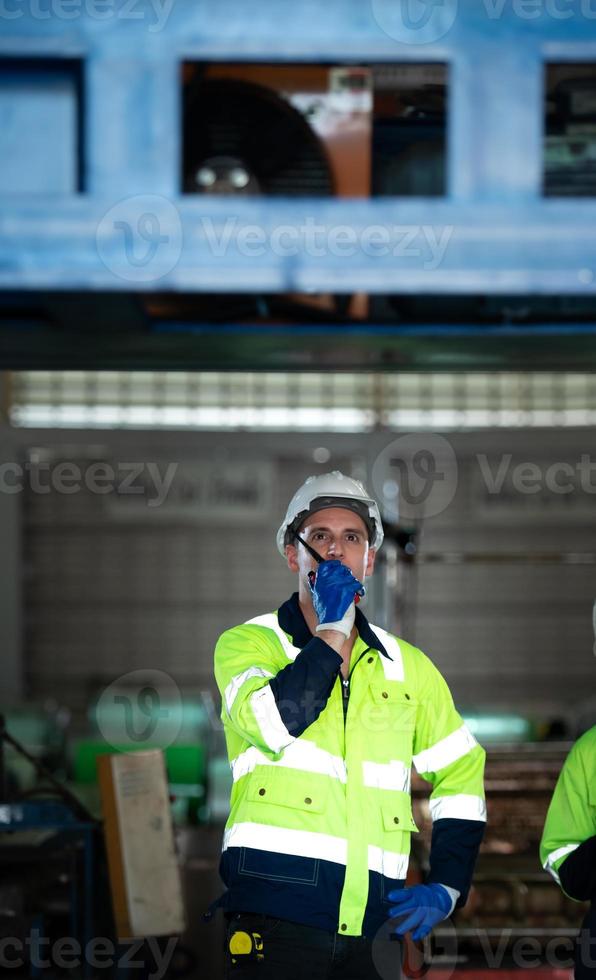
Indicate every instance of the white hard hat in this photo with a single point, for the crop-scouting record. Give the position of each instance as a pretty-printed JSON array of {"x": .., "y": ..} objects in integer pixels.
[{"x": 330, "y": 490}]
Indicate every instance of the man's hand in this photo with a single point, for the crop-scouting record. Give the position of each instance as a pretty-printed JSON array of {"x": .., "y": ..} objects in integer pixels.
[
  {"x": 333, "y": 589},
  {"x": 424, "y": 905}
]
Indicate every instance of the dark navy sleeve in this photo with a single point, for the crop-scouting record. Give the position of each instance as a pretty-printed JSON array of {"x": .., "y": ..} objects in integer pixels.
[
  {"x": 578, "y": 872},
  {"x": 454, "y": 849},
  {"x": 301, "y": 689}
]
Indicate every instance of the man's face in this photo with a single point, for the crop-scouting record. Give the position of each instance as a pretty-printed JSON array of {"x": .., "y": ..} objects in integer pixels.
[{"x": 333, "y": 533}]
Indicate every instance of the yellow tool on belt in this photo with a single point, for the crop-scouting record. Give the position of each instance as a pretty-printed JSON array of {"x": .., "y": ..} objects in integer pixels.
[{"x": 246, "y": 944}]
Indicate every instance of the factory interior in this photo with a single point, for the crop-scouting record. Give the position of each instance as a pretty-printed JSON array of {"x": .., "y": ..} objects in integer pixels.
[{"x": 238, "y": 248}]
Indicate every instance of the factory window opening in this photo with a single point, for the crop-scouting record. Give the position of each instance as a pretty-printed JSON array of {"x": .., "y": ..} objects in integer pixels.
[
  {"x": 41, "y": 106},
  {"x": 314, "y": 130},
  {"x": 570, "y": 130},
  {"x": 300, "y": 401}
]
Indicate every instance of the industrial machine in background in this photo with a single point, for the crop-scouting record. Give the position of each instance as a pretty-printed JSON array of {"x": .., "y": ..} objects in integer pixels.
[
  {"x": 359, "y": 132},
  {"x": 513, "y": 904},
  {"x": 293, "y": 131},
  {"x": 49, "y": 886},
  {"x": 570, "y": 137},
  {"x": 55, "y": 896},
  {"x": 126, "y": 718},
  {"x": 310, "y": 131},
  {"x": 314, "y": 130}
]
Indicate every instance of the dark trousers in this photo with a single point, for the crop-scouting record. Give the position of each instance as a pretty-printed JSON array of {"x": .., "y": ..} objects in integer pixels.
[
  {"x": 585, "y": 950},
  {"x": 259, "y": 947}
]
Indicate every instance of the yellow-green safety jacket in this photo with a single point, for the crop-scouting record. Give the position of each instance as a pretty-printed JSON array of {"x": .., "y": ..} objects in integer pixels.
[
  {"x": 568, "y": 845},
  {"x": 320, "y": 821}
]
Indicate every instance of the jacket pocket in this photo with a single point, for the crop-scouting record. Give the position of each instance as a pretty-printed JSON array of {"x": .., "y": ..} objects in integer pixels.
[
  {"x": 290, "y": 788},
  {"x": 270, "y": 866},
  {"x": 398, "y": 824},
  {"x": 398, "y": 815},
  {"x": 399, "y": 705}
]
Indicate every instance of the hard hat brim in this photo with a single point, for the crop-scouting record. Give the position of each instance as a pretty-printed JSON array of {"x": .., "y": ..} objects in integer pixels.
[{"x": 326, "y": 503}]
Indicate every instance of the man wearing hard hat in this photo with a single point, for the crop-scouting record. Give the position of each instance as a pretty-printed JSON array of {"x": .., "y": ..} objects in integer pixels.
[{"x": 324, "y": 715}]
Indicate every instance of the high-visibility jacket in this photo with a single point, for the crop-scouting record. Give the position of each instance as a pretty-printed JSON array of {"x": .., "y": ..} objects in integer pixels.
[
  {"x": 320, "y": 822},
  {"x": 568, "y": 845}
]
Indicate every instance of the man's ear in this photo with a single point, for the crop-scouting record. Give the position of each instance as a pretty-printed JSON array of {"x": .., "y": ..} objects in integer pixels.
[
  {"x": 370, "y": 561},
  {"x": 292, "y": 557}
]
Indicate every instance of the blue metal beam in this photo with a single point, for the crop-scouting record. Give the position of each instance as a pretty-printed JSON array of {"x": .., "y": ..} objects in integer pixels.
[
  {"x": 501, "y": 236},
  {"x": 148, "y": 242},
  {"x": 386, "y": 30},
  {"x": 133, "y": 124}
]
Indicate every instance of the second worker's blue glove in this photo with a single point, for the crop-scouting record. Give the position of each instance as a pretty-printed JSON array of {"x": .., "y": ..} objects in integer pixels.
[
  {"x": 333, "y": 590},
  {"x": 424, "y": 905}
]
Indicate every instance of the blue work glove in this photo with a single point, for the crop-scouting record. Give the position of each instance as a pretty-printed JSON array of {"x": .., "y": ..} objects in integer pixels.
[
  {"x": 333, "y": 589},
  {"x": 424, "y": 906}
]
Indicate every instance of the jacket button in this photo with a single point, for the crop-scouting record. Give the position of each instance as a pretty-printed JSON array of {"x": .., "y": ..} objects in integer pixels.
[
  {"x": 261, "y": 792},
  {"x": 396, "y": 820},
  {"x": 384, "y": 694},
  {"x": 343, "y": 927},
  {"x": 307, "y": 799},
  {"x": 370, "y": 660},
  {"x": 407, "y": 696}
]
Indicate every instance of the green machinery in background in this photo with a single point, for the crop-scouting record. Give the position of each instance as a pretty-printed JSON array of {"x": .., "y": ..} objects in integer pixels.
[{"x": 187, "y": 729}]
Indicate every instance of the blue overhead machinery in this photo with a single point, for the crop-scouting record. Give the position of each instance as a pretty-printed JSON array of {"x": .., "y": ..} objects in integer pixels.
[{"x": 377, "y": 184}]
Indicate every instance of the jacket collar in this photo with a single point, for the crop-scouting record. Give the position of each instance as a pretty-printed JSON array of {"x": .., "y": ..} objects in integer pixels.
[{"x": 291, "y": 620}]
